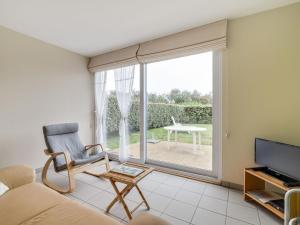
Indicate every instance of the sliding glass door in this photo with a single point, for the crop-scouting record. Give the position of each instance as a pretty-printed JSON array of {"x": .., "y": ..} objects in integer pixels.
[
  {"x": 180, "y": 112},
  {"x": 174, "y": 119}
]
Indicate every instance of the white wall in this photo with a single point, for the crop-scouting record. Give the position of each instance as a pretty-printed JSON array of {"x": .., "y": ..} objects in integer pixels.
[
  {"x": 261, "y": 85},
  {"x": 39, "y": 84}
]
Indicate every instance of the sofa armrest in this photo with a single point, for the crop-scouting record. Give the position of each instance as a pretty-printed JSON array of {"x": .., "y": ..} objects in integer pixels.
[
  {"x": 148, "y": 219},
  {"x": 15, "y": 176}
]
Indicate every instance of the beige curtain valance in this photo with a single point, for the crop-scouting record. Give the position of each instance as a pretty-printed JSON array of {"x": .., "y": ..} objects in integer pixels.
[
  {"x": 201, "y": 39},
  {"x": 193, "y": 41},
  {"x": 114, "y": 59}
]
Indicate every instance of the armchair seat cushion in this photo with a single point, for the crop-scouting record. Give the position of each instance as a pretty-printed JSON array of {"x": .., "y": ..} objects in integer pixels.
[{"x": 90, "y": 159}]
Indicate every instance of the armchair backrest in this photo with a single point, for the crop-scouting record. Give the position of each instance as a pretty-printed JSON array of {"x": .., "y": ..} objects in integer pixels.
[{"x": 61, "y": 138}]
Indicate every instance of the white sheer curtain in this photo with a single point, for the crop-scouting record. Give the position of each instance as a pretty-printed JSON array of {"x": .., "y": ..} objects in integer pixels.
[
  {"x": 124, "y": 78},
  {"x": 100, "y": 97}
]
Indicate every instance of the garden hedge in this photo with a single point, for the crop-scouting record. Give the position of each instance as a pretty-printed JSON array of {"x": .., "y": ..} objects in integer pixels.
[{"x": 159, "y": 115}]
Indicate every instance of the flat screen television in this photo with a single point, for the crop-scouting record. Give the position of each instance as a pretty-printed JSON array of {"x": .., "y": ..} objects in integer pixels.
[{"x": 279, "y": 157}]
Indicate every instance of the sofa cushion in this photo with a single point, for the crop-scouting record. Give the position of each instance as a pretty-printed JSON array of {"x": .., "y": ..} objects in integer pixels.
[
  {"x": 25, "y": 202},
  {"x": 15, "y": 176},
  {"x": 71, "y": 212},
  {"x": 36, "y": 204}
]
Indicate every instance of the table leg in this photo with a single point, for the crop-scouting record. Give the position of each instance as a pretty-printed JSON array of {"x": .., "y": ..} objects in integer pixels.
[
  {"x": 175, "y": 135},
  {"x": 120, "y": 198},
  {"x": 200, "y": 140},
  {"x": 194, "y": 141},
  {"x": 169, "y": 139},
  {"x": 125, "y": 190},
  {"x": 143, "y": 197}
]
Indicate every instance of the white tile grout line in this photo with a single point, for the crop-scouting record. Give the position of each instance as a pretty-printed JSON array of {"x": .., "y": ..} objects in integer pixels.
[
  {"x": 227, "y": 210},
  {"x": 197, "y": 206},
  {"x": 258, "y": 215}
]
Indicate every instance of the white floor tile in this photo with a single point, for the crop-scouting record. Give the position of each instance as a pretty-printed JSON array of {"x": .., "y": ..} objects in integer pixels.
[
  {"x": 175, "y": 181},
  {"x": 93, "y": 207},
  {"x": 101, "y": 200},
  {"x": 118, "y": 210},
  {"x": 157, "y": 176},
  {"x": 135, "y": 196},
  {"x": 143, "y": 209},
  {"x": 237, "y": 197},
  {"x": 230, "y": 221},
  {"x": 173, "y": 221},
  {"x": 266, "y": 218},
  {"x": 86, "y": 178},
  {"x": 166, "y": 190},
  {"x": 120, "y": 186},
  {"x": 206, "y": 217},
  {"x": 74, "y": 198},
  {"x": 56, "y": 178},
  {"x": 180, "y": 210},
  {"x": 213, "y": 204},
  {"x": 103, "y": 184},
  {"x": 243, "y": 213},
  {"x": 216, "y": 191},
  {"x": 194, "y": 186},
  {"x": 158, "y": 202},
  {"x": 148, "y": 185},
  {"x": 188, "y": 197},
  {"x": 84, "y": 191}
]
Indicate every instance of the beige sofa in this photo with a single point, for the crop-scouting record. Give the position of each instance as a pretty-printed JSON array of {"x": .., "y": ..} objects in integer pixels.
[{"x": 31, "y": 203}]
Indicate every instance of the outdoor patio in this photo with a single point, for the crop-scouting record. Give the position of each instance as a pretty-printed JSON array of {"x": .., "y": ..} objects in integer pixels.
[{"x": 178, "y": 153}]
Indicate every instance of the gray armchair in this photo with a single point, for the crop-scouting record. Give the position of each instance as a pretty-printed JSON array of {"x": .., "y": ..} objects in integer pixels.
[{"x": 68, "y": 153}]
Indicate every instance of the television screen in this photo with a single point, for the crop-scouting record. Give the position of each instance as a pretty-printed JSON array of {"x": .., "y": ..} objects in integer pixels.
[{"x": 283, "y": 158}]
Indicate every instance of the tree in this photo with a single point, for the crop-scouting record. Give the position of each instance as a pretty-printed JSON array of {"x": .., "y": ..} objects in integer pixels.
[
  {"x": 186, "y": 96},
  {"x": 176, "y": 96},
  {"x": 196, "y": 95}
]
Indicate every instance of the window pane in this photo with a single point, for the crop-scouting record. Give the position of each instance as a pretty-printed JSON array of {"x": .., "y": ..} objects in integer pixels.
[{"x": 179, "y": 116}]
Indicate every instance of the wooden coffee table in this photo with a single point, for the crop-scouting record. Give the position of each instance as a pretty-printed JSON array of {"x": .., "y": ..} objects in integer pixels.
[{"x": 130, "y": 183}]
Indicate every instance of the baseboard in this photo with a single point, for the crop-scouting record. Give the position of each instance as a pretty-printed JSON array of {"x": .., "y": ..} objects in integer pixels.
[{"x": 232, "y": 185}]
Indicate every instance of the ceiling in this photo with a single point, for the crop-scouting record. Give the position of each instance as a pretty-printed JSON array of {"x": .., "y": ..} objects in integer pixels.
[{"x": 91, "y": 27}]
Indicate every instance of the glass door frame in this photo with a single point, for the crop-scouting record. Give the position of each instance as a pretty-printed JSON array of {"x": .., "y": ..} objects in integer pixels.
[
  {"x": 217, "y": 124},
  {"x": 217, "y": 129}
]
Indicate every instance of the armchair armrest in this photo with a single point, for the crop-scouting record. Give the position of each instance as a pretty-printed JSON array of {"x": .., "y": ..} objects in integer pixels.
[
  {"x": 66, "y": 154},
  {"x": 148, "y": 219},
  {"x": 87, "y": 147},
  {"x": 15, "y": 176}
]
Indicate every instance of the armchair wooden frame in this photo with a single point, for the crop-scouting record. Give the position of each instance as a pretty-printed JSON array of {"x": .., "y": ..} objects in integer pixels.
[{"x": 72, "y": 170}]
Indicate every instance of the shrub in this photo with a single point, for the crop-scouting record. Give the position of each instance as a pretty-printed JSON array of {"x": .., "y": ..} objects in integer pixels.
[
  {"x": 113, "y": 115},
  {"x": 197, "y": 114},
  {"x": 159, "y": 115}
]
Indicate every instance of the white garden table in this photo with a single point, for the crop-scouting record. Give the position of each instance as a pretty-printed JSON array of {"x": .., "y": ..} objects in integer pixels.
[{"x": 185, "y": 128}]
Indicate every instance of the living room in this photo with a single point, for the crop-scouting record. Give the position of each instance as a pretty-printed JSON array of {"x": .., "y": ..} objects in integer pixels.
[{"x": 190, "y": 96}]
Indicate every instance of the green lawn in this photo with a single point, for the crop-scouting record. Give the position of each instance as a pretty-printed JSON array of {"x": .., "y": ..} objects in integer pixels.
[{"x": 162, "y": 135}]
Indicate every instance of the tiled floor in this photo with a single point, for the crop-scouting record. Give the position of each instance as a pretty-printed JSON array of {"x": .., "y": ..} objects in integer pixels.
[{"x": 180, "y": 201}]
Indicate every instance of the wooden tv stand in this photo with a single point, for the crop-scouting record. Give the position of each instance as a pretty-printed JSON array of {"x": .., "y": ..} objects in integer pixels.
[{"x": 256, "y": 180}]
